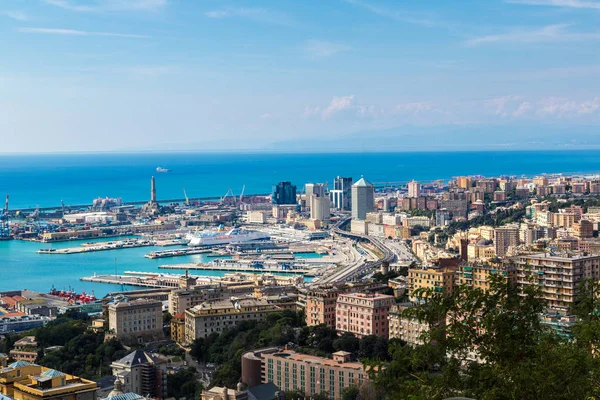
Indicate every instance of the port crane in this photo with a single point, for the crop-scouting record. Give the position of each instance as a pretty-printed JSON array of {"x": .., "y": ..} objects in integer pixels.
[
  {"x": 228, "y": 194},
  {"x": 242, "y": 194},
  {"x": 187, "y": 201},
  {"x": 4, "y": 227}
]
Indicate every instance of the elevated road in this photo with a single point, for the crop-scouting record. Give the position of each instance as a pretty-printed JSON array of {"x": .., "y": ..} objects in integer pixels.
[{"x": 358, "y": 269}]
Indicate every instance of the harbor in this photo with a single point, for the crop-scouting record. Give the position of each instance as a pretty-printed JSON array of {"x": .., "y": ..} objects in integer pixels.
[
  {"x": 89, "y": 247},
  {"x": 181, "y": 252}
]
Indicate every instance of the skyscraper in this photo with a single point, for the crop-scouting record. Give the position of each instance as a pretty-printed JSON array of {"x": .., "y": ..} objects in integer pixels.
[
  {"x": 341, "y": 195},
  {"x": 320, "y": 208},
  {"x": 284, "y": 193},
  {"x": 414, "y": 189},
  {"x": 363, "y": 195},
  {"x": 318, "y": 189}
]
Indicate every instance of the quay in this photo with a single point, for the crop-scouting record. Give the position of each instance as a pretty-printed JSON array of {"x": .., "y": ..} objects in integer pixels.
[
  {"x": 138, "y": 279},
  {"x": 239, "y": 268},
  {"x": 180, "y": 252},
  {"x": 104, "y": 246}
]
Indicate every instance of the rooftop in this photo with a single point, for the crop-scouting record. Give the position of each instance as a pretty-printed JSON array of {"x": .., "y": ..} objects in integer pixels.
[{"x": 362, "y": 182}]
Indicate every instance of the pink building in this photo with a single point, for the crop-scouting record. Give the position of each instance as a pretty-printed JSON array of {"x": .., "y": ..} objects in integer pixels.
[{"x": 363, "y": 314}]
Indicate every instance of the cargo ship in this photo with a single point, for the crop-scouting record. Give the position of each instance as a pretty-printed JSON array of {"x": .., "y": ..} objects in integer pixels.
[{"x": 214, "y": 238}]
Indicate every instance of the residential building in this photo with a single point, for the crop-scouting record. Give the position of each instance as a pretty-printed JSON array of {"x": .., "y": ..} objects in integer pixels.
[
  {"x": 363, "y": 194},
  {"x": 564, "y": 219},
  {"x": 283, "y": 193},
  {"x": 411, "y": 222},
  {"x": 22, "y": 380},
  {"x": 405, "y": 328},
  {"x": 464, "y": 182},
  {"x": 310, "y": 189},
  {"x": 505, "y": 238},
  {"x": 363, "y": 314},
  {"x": 217, "y": 316},
  {"x": 439, "y": 279},
  {"x": 478, "y": 275},
  {"x": 25, "y": 349},
  {"x": 557, "y": 275},
  {"x": 583, "y": 229},
  {"x": 414, "y": 189},
  {"x": 256, "y": 217},
  {"x": 139, "y": 318},
  {"x": 178, "y": 328},
  {"x": 320, "y": 306},
  {"x": 223, "y": 393},
  {"x": 442, "y": 217},
  {"x": 142, "y": 374},
  {"x": 295, "y": 371}
]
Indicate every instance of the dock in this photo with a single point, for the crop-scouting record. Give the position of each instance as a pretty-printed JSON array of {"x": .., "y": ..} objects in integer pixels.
[
  {"x": 105, "y": 246},
  {"x": 238, "y": 268},
  {"x": 180, "y": 252},
  {"x": 138, "y": 279}
]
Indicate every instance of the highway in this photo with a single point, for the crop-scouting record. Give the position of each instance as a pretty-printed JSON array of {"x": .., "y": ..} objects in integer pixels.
[{"x": 358, "y": 268}]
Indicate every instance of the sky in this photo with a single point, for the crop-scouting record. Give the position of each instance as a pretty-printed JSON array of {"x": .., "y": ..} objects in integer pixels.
[{"x": 150, "y": 75}]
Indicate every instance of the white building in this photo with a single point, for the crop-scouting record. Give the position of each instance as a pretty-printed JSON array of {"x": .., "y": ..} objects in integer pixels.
[
  {"x": 414, "y": 189},
  {"x": 320, "y": 208}
]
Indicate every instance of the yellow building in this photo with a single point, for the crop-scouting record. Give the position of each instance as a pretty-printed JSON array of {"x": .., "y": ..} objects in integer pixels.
[
  {"x": 439, "y": 279},
  {"x": 136, "y": 318},
  {"x": 406, "y": 328},
  {"x": 178, "y": 328},
  {"x": 476, "y": 251},
  {"x": 210, "y": 317},
  {"x": 478, "y": 275},
  {"x": 22, "y": 380}
]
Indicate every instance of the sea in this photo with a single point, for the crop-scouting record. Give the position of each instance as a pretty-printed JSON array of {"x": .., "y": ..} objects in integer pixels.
[{"x": 45, "y": 180}]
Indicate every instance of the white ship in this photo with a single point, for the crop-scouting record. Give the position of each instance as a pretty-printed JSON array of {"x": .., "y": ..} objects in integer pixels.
[
  {"x": 161, "y": 169},
  {"x": 214, "y": 238}
]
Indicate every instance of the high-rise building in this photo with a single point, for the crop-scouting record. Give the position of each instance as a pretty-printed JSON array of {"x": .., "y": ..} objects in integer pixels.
[
  {"x": 504, "y": 238},
  {"x": 342, "y": 193},
  {"x": 284, "y": 193},
  {"x": 320, "y": 208},
  {"x": 317, "y": 189},
  {"x": 363, "y": 194},
  {"x": 414, "y": 189}
]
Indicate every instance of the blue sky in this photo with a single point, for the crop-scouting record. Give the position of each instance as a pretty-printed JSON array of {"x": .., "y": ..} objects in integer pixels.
[{"x": 97, "y": 75}]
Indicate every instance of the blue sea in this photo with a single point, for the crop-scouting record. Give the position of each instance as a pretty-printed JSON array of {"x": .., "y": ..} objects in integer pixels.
[{"x": 45, "y": 180}]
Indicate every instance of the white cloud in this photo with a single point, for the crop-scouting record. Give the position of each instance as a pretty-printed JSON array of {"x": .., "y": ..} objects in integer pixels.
[
  {"x": 560, "y": 3},
  {"x": 109, "y": 5},
  {"x": 261, "y": 15},
  {"x": 501, "y": 106},
  {"x": 73, "y": 32},
  {"x": 265, "y": 116},
  {"x": 550, "y": 33},
  {"x": 413, "y": 108},
  {"x": 523, "y": 109},
  {"x": 400, "y": 16},
  {"x": 337, "y": 105},
  {"x": 564, "y": 108},
  {"x": 16, "y": 15},
  {"x": 317, "y": 49}
]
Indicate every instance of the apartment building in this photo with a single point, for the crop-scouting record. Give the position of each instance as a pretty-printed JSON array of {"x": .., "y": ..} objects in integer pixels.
[
  {"x": 441, "y": 280},
  {"x": 217, "y": 316},
  {"x": 26, "y": 381},
  {"x": 25, "y": 349},
  {"x": 505, "y": 238},
  {"x": 139, "y": 318},
  {"x": 557, "y": 275},
  {"x": 363, "y": 314},
  {"x": 405, "y": 328},
  {"x": 478, "y": 275},
  {"x": 142, "y": 374},
  {"x": 320, "y": 306},
  {"x": 295, "y": 371}
]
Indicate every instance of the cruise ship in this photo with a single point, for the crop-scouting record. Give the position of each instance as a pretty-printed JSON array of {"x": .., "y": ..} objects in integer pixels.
[{"x": 214, "y": 238}]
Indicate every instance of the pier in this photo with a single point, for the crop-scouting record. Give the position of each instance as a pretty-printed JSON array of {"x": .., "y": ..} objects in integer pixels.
[
  {"x": 180, "y": 253},
  {"x": 105, "y": 246},
  {"x": 239, "y": 268}
]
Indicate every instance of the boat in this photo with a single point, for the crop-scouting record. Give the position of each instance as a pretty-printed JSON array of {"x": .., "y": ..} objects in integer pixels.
[
  {"x": 214, "y": 238},
  {"x": 71, "y": 295},
  {"x": 160, "y": 169}
]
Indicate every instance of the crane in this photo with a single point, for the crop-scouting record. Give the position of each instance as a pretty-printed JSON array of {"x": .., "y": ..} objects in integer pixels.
[
  {"x": 187, "y": 201},
  {"x": 242, "y": 194},
  {"x": 63, "y": 208},
  {"x": 228, "y": 194},
  {"x": 4, "y": 228}
]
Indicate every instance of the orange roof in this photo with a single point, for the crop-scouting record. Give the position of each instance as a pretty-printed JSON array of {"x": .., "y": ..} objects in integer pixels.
[
  {"x": 181, "y": 315},
  {"x": 18, "y": 298},
  {"x": 9, "y": 301},
  {"x": 12, "y": 314}
]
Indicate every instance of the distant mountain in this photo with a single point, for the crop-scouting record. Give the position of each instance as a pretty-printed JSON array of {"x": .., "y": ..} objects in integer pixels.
[{"x": 452, "y": 138}]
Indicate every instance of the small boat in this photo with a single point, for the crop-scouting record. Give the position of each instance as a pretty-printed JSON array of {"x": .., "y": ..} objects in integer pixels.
[{"x": 160, "y": 169}]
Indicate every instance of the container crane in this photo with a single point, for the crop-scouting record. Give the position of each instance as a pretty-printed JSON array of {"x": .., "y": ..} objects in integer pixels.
[{"x": 228, "y": 194}]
